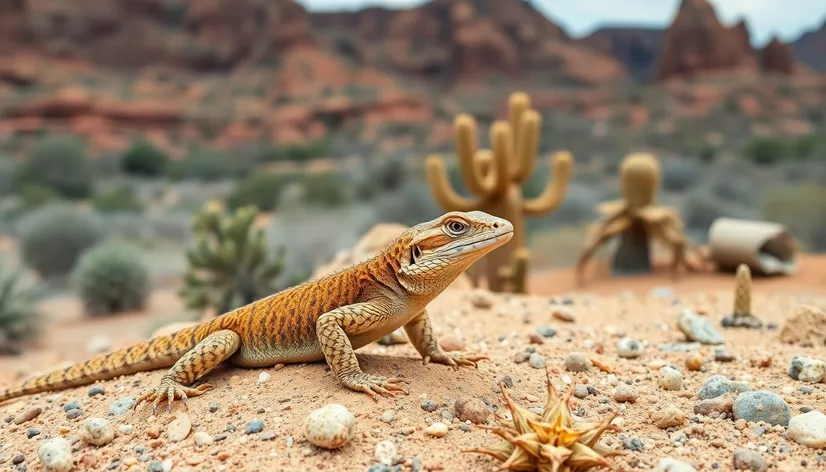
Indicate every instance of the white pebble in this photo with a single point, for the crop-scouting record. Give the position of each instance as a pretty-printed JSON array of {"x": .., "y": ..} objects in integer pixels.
[
  {"x": 628, "y": 348},
  {"x": 56, "y": 455},
  {"x": 166, "y": 465},
  {"x": 263, "y": 377},
  {"x": 179, "y": 428},
  {"x": 787, "y": 390},
  {"x": 202, "y": 438},
  {"x": 671, "y": 378},
  {"x": 97, "y": 431},
  {"x": 125, "y": 428},
  {"x": 809, "y": 429},
  {"x": 436, "y": 429},
  {"x": 386, "y": 452},
  {"x": 330, "y": 426}
]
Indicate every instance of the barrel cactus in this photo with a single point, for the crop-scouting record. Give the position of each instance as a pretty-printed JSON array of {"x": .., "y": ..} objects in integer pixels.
[{"x": 111, "y": 278}]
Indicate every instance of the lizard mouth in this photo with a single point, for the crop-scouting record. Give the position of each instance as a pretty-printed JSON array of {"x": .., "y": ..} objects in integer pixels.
[{"x": 471, "y": 246}]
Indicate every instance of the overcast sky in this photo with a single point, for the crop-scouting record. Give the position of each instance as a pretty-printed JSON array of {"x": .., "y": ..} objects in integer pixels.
[{"x": 784, "y": 18}]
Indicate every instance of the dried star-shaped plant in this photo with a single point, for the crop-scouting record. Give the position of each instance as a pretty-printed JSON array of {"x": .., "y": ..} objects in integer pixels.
[{"x": 551, "y": 442}]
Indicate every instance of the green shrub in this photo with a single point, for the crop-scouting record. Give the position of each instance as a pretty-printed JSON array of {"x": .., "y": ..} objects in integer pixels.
[
  {"x": 295, "y": 152},
  {"x": 19, "y": 318},
  {"x": 766, "y": 150},
  {"x": 121, "y": 199},
  {"x": 802, "y": 209},
  {"x": 144, "y": 159},
  {"x": 59, "y": 163},
  {"x": 261, "y": 189},
  {"x": 53, "y": 237},
  {"x": 804, "y": 146},
  {"x": 111, "y": 278},
  {"x": 36, "y": 195},
  {"x": 208, "y": 166},
  {"x": 323, "y": 188}
]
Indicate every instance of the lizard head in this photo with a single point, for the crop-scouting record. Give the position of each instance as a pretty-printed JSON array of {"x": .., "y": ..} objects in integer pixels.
[{"x": 433, "y": 254}]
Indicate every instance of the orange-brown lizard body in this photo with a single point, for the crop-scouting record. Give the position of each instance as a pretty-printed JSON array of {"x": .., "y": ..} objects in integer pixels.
[{"x": 326, "y": 319}]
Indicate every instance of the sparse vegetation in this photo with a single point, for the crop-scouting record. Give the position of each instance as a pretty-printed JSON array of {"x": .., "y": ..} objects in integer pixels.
[
  {"x": 120, "y": 199},
  {"x": 144, "y": 159},
  {"x": 111, "y": 278},
  {"x": 19, "y": 318},
  {"x": 59, "y": 163}
]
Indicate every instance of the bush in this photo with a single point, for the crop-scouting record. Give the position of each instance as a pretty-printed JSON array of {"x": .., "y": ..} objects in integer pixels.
[
  {"x": 111, "y": 278},
  {"x": 208, "y": 166},
  {"x": 120, "y": 199},
  {"x": 19, "y": 318},
  {"x": 295, "y": 152},
  {"x": 59, "y": 163},
  {"x": 766, "y": 150},
  {"x": 144, "y": 159},
  {"x": 802, "y": 209},
  {"x": 262, "y": 190},
  {"x": 54, "y": 236},
  {"x": 36, "y": 195},
  {"x": 409, "y": 205},
  {"x": 323, "y": 188}
]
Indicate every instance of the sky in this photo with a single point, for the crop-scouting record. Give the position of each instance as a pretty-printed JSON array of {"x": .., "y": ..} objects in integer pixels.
[{"x": 786, "y": 19}]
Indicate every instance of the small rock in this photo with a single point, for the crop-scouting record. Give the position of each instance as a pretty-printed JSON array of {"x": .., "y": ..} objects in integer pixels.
[
  {"x": 386, "y": 452},
  {"x": 521, "y": 357},
  {"x": 429, "y": 406},
  {"x": 97, "y": 431},
  {"x": 697, "y": 328},
  {"x": 581, "y": 391},
  {"x": 27, "y": 415},
  {"x": 55, "y": 455},
  {"x": 179, "y": 428},
  {"x": 32, "y": 432},
  {"x": 715, "y": 407},
  {"x": 330, "y": 426},
  {"x": 264, "y": 377},
  {"x": 436, "y": 429},
  {"x": 679, "y": 347},
  {"x": 255, "y": 426},
  {"x": 546, "y": 331},
  {"x": 761, "y": 359},
  {"x": 507, "y": 380},
  {"x": 379, "y": 468},
  {"x": 98, "y": 345},
  {"x": 695, "y": 361},
  {"x": 670, "y": 416},
  {"x": 563, "y": 313},
  {"x": 472, "y": 409},
  {"x": 73, "y": 405},
  {"x": 121, "y": 405},
  {"x": 535, "y": 338},
  {"x": 762, "y": 406},
  {"x": 632, "y": 444},
  {"x": 96, "y": 390},
  {"x": 451, "y": 343},
  {"x": 577, "y": 362},
  {"x": 628, "y": 348},
  {"x": 388, "y": 416},
  {"x": 213, "y": 407},
  {"x": 721, "y": 355},
  {"x": 745, "y": 459},
  {"x": 155, "y": 466},
  {"x": 396, "y": 337},
  {"x": 18, "y": 459},
  {"x": 671, "y": 378},
  {"x": 536, "y": 360},
  {"x": 809, "y": 429},
  {"x": 268, "y": 436},
  {"x": 202, "y": 438},
  {"x": 669, "y": 464},
  {"x": 125, "y": 428},
  {"x": 481, "y": 299},
  {"x": 74, "y": 413},
  {"x": 717, "y": 385},
  {"x": 806, "y": 369},
  {"x": 624, "y": 393}
]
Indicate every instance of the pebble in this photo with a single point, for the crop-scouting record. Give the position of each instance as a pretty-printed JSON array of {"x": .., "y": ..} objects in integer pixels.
[
  {"x": 379, "y": 468},
  {"x": 563, "y": 313},
  {"x": 125, "y": 428},
  {"x": 624, "y": 393},
  {"x": 436, "y": 429},
  {"x": 55, "y": 455},
  {"x": 809, "y": 429},
  {"x": 806, "y": 369},
  {"x": 73, "y": 405},
  {"x": 697, "y": 328},
  {"x": 255, "y": 426},
  {"x": 429, "y": 406},
  {"x": 721, "y": 355},
  {"x": 671, "y": 378},
  {"x": 213, "y": 407},
  {"x": 97, "y": 431},
  {"x": 536, "y": 360},
  {"x": 577, "y": 362},
  {"x": 632, "y": 444},
  {"x": 762, "y": 406},
  {"x": 264, "y": 377},
  {"x": 388, "y": 416},
  {"x": 628, "y": 348},
  {"x": 32, "y": 432},
  {"x": 535, "y": 338},
  {"x": 481, "y": 299},
  {"x": 268, "y": 436},
  {"x": 745, "y": 459},
  {"x": 717, "y": 385},
  {"x": 507, "y": 380},
  {"x": 581, "y": 391},
  {"x": 27, "y": 415},
  {"x": 330, "y": 426},
  {"x": 694, "y": 361},
  {"x": 179, "y": 428},
  {"x": 669, "y": 464},
  {"x": 96, "y": 390},
  {"x": 202, "y": 438},
  {"x": 670, "y": 416},
  {"x": 761, "y": 359},
  {"x": 521, "y": 357},
  {"x": 451, "y": 343},
  {"x": 471, "y": 409},
  {"x": 121, "y": 405},
  {"x": 386, "y": 452},
  {"x": 715, "y": 407},
  {"x": 546, "y": 331},
  {"x": 74, "y": 413},
  {"x": 155, "y": 466},
  {"x": 447, "y": 415}
]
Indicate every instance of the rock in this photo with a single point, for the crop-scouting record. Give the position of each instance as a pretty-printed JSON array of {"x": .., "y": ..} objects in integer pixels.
[
  {"x": 563, "y": 313},
  {"x": 74, "y": 413},
  {"x": 806, "y": 369},
  {"x": 179, "y": 428},
  {"x": 98, "y": 345},
  {"x": 535, "y": 338},
  {"x": 632, "y": 444},
  {"x": 668, "y": 417},
  {"x": 436, "y": 429},
  {"x": 671, "y": 378},
  {"x": 721, "y": 355},
  {"x": 379, "y": 468},
  {"x": 96, "y": 390},
  {"x": 577, "y": 362},
  {"x": 777, "y": 57},
  {"x": 809, "y": 429},
  {"x": 398, "y": 336},
  {"x": 716, "y": 407},
  {"x": 669, "y": 464},
  {"x": 125, "y": 429},
  {"x": 388, "y": 416},
  {"x": 581, "y": 391},
  {"x": 745, "y": 459},
  {"x": 679, "y": 347},
  {"x": 628, "y": 348},
  {"x": 546, "y": 331},
  {"x": 694, "y": 361},
  {"x": 202, "y": 438},
  {"x": 27, "y": 415},
  {"x": 697, "y": 328},
  {"x": 472, "y": 409},
  {"x": 536, "y": 360},
  {"x": 97, "y": 431},
  {"x": 386, "y": 452},
  {"x": 264, "y": 377},
  {"x": 481, "y": 299},
  {"x": 717, "y": 385},
  {"x": 121, "y": 405},
  {"x": 761, "y": 359},
  {"x": 330, "y": 426},
  {"x": 451, "y": 343},
  {"x": 806, "y": 326},
  {"x": 55, "y": 455},
  {"x": 625, "y": 393},
  {"x": 762, "y": 406},
  {"x": 255, "y": 426}
]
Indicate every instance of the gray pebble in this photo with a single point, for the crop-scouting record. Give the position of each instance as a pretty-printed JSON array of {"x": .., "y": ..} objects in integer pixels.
[
  {"x": 721, "y": 355},
  {"x": 507, "y": 381},
  {"x": 18, "y": 459},
  {"x": 464, "y": 427},
  {"x": 806, "y": 390},
  {"x": 121, "y": 405},
  {"x": 697, "y": 328},
  {"x": 628, "y": 348},
  {"x": 717, "y": 385},
  {"x": 581, "y": 391},
  {"x": 268, "y": 436},
  {"x": 447, "y": 415},
  {"x": 139, "y": 449},
  {"x": 632, "y": 444},
  {"x": 546, "y": 331},
  {"x": 144, "y": 457},
  {"x": 113, "y": 465},
  {"x": 74, "y": 413},
  {"x": 759, "y": 431},
  {"x": 429, "y": 406},
  {"x": 32, "y": 432},
  {"x": 577, "y": 362},
  {"x": 96, "y": 390},
  {"x": 762, "y": 406},
  {"x": 255, "y": 426},
  {"x": 213, "y": 407},
  {"x": 746, "y": 459},
  {"x": 679, "y": 347},
  {"x": 155, "y": 466},
  {"x": 536, "y": 360},
  {"x": 71, "y": 406},
  {"x": 417, "y": 464},
  {"x": 521, "y": 357},
  {"x": 378, "y": 468},
  {"x": 289, "y": 441}
]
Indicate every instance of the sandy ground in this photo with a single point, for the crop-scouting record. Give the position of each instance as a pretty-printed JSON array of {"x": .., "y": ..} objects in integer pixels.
[{"x": 604, "y": 311}]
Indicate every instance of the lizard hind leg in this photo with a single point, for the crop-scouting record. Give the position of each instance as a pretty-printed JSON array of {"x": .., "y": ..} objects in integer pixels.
[{"x": 197, "y": 362}]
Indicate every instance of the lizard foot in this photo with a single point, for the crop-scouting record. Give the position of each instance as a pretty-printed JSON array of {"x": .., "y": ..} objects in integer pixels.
[
  {"x": 454, "y": 359},
  {"x": 172, "y": 391},
  {"x": 372, "y": 384}
]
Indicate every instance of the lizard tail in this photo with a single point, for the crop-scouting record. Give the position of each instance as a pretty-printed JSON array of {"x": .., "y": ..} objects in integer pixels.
[{"x": 155, "y": 353}]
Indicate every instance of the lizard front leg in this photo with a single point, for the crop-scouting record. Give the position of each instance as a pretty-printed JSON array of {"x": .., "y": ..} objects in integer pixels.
[
  {"x": 420, "y": 332},
  {"x": 197, "y": 362},
  {"x": 332, "y": 330}
]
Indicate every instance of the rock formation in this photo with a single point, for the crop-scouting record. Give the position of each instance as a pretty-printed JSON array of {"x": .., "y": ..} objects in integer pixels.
[{"x": 777, "y": 57}]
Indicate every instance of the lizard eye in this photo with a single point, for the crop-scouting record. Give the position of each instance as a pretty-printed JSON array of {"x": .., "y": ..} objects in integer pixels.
[
  {"x": 415, "y": 253},
  {"x": 456, "y": 227}
]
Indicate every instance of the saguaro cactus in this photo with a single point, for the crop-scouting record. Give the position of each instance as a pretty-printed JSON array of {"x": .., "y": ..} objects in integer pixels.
[
  {"x": 229, "y": 266},
  {"x": 495, "y": 177}
]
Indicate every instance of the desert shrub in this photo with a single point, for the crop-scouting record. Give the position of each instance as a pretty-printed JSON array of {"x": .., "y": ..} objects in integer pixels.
[
  {"x": 766, "y": 150},
  {"x": 323, "y": 188},
  {"x": 411, "y": 204},
  {"x": 804, "y": 146},
  {"x": 678, "y": 175},
  {"x": 36, "y": 195},
  {"x": 53, "y": 237},
  {"x": 8, "y": 169},
  {"x": 260, "y": 189},
  {"x": 209, "y": 166},
  {"x": 111, "y": 278},
  {"x": 59, "y": 163},
  {"x": 143, "y": 158},
  {"x": 120, "y": 199},
  {"x": 385, "y": 175},
  {"x": 802, "y": 209},
  {"x": 295, "y": 152},
  {"x": 19, "y": 318}
]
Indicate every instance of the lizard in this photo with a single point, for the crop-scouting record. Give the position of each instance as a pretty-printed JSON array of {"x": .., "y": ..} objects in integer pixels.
[{"x": 326, "y": 318}]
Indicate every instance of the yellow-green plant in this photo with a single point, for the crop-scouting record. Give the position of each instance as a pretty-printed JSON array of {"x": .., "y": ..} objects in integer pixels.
[{"x": 495, "y": 176}]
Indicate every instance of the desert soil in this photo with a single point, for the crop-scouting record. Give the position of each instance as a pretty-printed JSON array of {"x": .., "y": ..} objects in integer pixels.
[{"x": 603, "y": 312}]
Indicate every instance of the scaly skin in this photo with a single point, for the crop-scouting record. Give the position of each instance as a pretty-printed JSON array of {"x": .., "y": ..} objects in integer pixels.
[{"x": 323, "y": 319}]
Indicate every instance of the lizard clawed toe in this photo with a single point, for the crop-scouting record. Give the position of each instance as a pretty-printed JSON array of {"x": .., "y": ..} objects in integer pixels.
[
  {"x": 373, "y": 385},
  {"x": 171, "y": 391},
  {"x": 455, "y": 360}
]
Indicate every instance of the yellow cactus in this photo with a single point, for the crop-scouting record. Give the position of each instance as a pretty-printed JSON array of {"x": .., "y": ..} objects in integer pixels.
[
  {"x": 495, "y": 177},
  {"x": 742, "y": 316}
]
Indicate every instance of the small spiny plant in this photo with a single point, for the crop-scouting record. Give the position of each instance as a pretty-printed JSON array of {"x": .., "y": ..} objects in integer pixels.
[{"x": 111, "y": 278}]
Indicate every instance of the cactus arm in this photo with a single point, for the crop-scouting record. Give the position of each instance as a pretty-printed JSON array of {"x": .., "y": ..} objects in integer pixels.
[
  {"x": 444, "y": 194},
  {"x": 526, "y": 145},
  {"x": 554, "y": 192},
  {"x": 478, "y": 181},
  {"x": 502, "y": 145}
]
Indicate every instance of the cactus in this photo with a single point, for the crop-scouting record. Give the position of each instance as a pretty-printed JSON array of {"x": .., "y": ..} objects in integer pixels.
[
  {"x": 229, "y": 266},
  {"x": 111, "y": 278},
  {"x": 19, "y": 318},
  {"x": 742, "y": 316},
  {"x": 495, "y": 177},
  {"x": 638, "y": 220}
]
